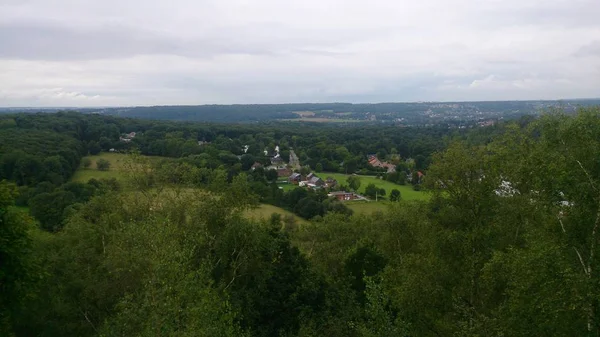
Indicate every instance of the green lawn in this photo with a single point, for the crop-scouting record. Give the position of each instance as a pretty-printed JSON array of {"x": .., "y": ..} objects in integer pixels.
[
  {"x": 117, "y": 167},
  {"x": 286, "y": 186},
  {"x": 264, "y": 212},
  {"x": 406, "y": 191}
]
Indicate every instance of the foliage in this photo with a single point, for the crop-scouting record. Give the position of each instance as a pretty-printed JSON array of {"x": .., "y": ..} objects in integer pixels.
[
  {"x": 102, "y": 164},
  {"x": 506, "y": 244},
  {"x": 395, "y": 195},
  {"x": 18, "y": 269},
  {"x": 353, "y": 182}
]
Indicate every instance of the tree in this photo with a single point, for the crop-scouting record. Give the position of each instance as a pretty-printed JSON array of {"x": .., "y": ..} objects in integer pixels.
[
  {"x": 353, "y": 182},
  {"x": 319, "y": 167},
  {"x": 18, "y": 270},
  {"x": 48, "y": 208},
  {"x": 247, "y": 161},
  {"x": 271, "y": 175},
  {"x": 374, "y": 192},
  {"x": 94, "y": 148},
  {"x": 395, "y": 195},
  {"x": 87, "y": 162},
  {"x": 102, "y": 164}
]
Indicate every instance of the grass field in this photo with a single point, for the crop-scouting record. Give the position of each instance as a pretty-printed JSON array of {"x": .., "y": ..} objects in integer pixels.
[
  {"x": 323, "y": 120},
  {"x": 285, "y": 186},
  {"x": 264, "y": 212},
  {"x": 117, "y": 167},
  {"x": 406, "y": 191}
]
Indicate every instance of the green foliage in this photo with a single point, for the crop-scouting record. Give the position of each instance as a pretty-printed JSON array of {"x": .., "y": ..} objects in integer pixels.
[
  {"x": 373, "y": 192},
  {"x": 18, "y": 269},
  {"x": 507, "y": 244},
  {"x": 87, "y": 162},
  {"x": 102, "y": 164},
  {"x": 353, "y": 182},
  {"x": 395, "y": 195}
]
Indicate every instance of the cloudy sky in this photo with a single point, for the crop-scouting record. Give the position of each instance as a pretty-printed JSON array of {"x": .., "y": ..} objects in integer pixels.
[{"x": 139, "y": 52}]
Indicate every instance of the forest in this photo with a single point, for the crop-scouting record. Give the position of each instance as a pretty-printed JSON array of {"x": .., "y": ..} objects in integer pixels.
[
  {"x": 454, "y": 114},
  {"x": 506, "y": 243}
]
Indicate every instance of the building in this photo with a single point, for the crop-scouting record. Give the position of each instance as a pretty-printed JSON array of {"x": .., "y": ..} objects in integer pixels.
[
  {"x": 284, "y": 172},
  {"x": 256, "y": 165},
  {"x": 343, "y": 195},
  {"x": 375, "y": 162},
  {"x": 277, "y": 161},
  {"x": 316, "y": 181},
  {"x": 295, "y": 178},
  {"x": 330, "y": 182}
]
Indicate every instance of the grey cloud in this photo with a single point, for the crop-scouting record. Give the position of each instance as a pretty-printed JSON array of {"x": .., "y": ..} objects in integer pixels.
[
  {"x": 56, "y": 42},
  {"x": 51, "y": 41},
  {"x": 237, "y": 51},
  {"x": 591, "y": 49}
]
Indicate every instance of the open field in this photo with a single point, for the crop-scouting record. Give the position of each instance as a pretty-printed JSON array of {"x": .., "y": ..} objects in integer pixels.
[
  {"x": 406, "y": 191},
  {"x": 305, "y": 113},
  {"x": 322, "y": 120},
  {"x": 285, "y": 186},
  {"x": 264, "y": 211},
  {"x": 117, "y": 167}
]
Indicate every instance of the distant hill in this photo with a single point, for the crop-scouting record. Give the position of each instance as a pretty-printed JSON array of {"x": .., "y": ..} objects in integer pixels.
[{"x": 405, "y": 113}]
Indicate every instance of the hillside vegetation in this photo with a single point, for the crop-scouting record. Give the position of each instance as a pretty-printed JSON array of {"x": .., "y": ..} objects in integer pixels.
[{"x": 506, "y": 243}]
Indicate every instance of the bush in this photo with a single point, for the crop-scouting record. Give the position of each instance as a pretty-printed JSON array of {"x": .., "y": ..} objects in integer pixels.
[
  {"x": 395, "y": 195},
  {"x": 87, "y": 162},
  {"x": 102, "y": 164}
]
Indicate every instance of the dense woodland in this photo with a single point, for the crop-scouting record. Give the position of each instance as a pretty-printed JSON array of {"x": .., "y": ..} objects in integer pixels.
[
  {"x": 506, "y": 245},
  {"x": 417, "y": 113}
]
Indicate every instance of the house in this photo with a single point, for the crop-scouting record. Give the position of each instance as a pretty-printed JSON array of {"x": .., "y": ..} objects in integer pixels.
[
  {"x": 277, "y": 160},
  {"x": 126, "y": 138},
  {"x": 343, "y": 195},
  {"x": 330, "y": 182},
  {"x": 391, "y": 168},
  {"x": 375, "y": 162},
  {"x": 255, "y": 166},
  {"x": 201, "y": 142},
  {"x": 295, "y": 178},
  {"x": 284, "y": 172},
  {"x": 316, "y": 181},
  {"x": 420, "y": 175}
]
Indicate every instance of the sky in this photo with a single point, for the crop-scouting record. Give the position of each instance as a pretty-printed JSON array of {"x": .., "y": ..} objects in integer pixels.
[{"x": 132, "y": 52}]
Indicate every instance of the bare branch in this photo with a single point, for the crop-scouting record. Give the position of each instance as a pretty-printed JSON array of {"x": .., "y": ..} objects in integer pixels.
[
  {"x": 585, "y": 269},
  {"x": 587, "y": 175},
  {"x": 561, "y": 224},
  {"x": 87, "y": 319}
]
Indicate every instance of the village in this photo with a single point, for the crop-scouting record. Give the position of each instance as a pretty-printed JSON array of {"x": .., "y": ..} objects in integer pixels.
[{"x": 292, "y": 175}]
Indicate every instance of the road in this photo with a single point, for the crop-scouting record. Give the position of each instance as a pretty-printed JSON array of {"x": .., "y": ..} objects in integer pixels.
[{"x": 294, "y": 161}]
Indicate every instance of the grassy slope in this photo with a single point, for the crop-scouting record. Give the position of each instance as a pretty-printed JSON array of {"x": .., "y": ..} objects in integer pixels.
[
  {"x": 264, "y": 211},
  {"x": 406, "y": 191},
  {"x": 117, "y": 167}
]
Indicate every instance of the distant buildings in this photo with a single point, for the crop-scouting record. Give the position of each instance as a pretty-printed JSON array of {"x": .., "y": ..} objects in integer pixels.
[
  {"x": 375, "y": 162},
  {"x": 126, "y": 138}
]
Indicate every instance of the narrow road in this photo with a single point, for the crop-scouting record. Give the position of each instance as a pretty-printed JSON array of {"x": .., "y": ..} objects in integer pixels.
[{"x": 294, "y": 161}]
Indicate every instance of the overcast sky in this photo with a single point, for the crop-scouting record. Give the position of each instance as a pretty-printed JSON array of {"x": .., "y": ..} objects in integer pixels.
[{"x": 134, "y": 52}]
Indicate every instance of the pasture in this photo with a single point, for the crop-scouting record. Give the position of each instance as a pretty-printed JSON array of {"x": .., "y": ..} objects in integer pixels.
[
  {"x": 406, "y": 191},
  {"x": 264, "y": 211},
  {"x": 118, "y": 167}
]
